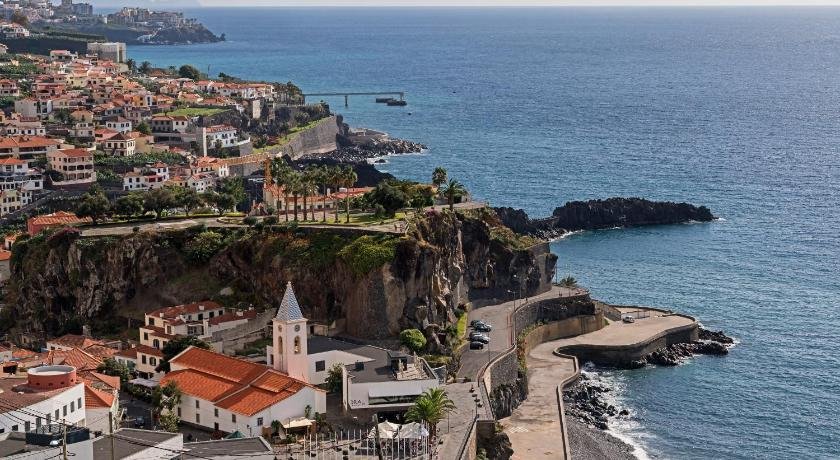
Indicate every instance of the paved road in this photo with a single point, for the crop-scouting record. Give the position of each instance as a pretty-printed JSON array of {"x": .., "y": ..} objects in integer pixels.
[
  {"x": 534, "y": 427},
  {"x": 498, "y": 316},
  {"x": 622, "y": 334}
]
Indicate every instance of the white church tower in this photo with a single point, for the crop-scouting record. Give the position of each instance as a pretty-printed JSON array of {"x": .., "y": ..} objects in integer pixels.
[{"x": 289, "y": 332}]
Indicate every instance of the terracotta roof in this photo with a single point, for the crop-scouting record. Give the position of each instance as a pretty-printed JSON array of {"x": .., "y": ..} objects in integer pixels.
[
  {"x": 127, "y": 353},
  {"x": 232, "y": 316},
  {"x": 95, "y": 378},
  {"x": 230, "y": 383},
  {"x": 11, "y": 161},
  {"x": 27, "y": 141},
  {"x": 97, "y": 399},
  {"x": 73, "y": 340},
  {"x": 58, "y": 218},
  {"x": 158, "y": 331},
  {"x": 147, "y": 350},
  {"x": 75, "y": 153},
  {"x": 100, "y": 351},
  {"x": 75, "y": 357},
  {"x": 178, "y": 310}
]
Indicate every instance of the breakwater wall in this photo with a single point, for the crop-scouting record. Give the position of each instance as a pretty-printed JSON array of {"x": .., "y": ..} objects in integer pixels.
[{"x": 624, "y": 355}]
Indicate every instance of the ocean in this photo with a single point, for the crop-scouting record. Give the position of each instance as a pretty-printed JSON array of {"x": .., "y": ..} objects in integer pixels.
[{"x": 734, "y": 108}]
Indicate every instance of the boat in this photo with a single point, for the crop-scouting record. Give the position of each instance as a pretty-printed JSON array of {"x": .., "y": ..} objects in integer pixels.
[
  {"x": 384, "y": 100},
  {"x": 400, "y": 102}
]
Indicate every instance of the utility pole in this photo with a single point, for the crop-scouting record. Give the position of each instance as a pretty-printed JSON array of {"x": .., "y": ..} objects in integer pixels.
[
  {"x": 111, "y": 432},
  {"x": 63, "y": 439}
]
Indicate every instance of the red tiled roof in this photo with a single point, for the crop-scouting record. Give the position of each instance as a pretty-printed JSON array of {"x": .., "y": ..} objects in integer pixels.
[
  {"x": 97, "y": 399},
  {"x": 127, "y": 353},
  {"x": 233, "y": 384},
  {"x": 73, "y": 340},
  {"x": 76, "y": 153},
  {"x": 178, "y": 310},
  {"x": 95, "y": 377},
  {"x": 26, "y": 141},
  {"x": 147, "y": 350},
  {"x": 11, "y": 161},
  {"x": 75, "y": 357},
  {"x": 233, "y": 316},
  {"x": 57, "y": 218}
]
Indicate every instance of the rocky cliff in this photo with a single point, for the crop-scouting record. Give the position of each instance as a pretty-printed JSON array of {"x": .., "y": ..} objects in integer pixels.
[
  {"x": 601, "y": 214},
  {"x": 370, "y": 285}
]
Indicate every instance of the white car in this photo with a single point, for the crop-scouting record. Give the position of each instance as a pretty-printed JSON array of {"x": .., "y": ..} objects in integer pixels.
[{"x": 628, "y": 319}]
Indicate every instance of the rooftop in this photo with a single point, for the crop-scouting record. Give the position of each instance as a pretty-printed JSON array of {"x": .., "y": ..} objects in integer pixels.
[
  {"x": 187, "y": 308},
  {"x": 229, "y": 447},
  {"x": 289, "y": 308},
  {"x": 375, "y": 362},
  {"x": 129, "y": 442}
]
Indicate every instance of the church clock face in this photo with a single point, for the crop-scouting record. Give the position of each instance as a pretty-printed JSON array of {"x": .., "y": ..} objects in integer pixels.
[{"x": 297, "y": 327}]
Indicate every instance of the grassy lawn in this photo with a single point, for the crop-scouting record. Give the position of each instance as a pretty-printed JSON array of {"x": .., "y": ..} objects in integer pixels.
[
  {"x": 288, "y": 137},
  {"x": 195, "y": 112},
  {"x": 361, "y": 220}
]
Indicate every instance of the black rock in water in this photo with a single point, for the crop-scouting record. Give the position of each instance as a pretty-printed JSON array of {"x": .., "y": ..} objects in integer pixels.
[
  {"x": 716, "y": 336},
  {"x": 585, "y": 401},
  {"x": 601, "y": 214}
]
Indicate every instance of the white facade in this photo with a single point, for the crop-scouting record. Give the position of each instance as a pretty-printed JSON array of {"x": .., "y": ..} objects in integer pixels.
[{"x": 67, "y": 405}]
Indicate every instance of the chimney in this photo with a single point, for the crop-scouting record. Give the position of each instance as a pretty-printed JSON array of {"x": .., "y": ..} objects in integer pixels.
[{"x": 201, "y": 308}]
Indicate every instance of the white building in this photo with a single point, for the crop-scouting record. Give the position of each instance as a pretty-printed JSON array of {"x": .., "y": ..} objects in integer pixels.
[
  {"x": 119, "y": 124},
  {"x": 48, "y": 394},
  {"x": 147, "y": 177},
  {"x": 374, "y": 378},
  {"x": 34, "y": 108},
  {"x": 223, "y": 393},
  {"x": 223, "y": 136}
]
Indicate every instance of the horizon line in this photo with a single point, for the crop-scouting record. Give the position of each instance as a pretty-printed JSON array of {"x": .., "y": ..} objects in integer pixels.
[{"x": 527, "y": 5}]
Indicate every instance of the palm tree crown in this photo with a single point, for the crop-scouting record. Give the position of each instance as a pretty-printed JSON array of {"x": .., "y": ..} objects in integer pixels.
[
  {"x": 430, "y": 407},
  {"x": 451, "y": 190}
]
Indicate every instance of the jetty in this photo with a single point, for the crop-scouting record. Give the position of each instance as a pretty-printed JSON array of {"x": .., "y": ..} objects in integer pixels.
[{"x": 347, "y": 94}]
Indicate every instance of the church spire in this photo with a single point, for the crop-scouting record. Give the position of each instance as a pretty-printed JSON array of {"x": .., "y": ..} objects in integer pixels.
[{"x": 289, "y": 308}]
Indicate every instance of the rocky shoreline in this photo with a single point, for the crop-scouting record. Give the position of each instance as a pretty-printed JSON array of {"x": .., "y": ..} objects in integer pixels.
[
  {"x": 603, "y": 214},
  {"x": 375, "y": 149},
  {"x": 589, "y": 410}
]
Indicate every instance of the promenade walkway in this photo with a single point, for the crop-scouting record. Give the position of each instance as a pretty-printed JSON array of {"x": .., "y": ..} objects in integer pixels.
[
  {"x": 534, "y": 428},
  {"x": 618, "y": 333}
]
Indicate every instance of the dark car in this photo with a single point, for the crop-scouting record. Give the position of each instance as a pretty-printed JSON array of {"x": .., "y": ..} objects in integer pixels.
[
  {"x": 139, "y": 422},
  {"x": 475, "y": 345},
  {"x": 482, "y": 327},
  {"x": 479, "y": 337}
]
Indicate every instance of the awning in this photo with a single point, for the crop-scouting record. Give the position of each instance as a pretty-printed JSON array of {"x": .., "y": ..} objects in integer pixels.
[
  {"x": 144, "y": 383},
  {"x": 391, "y": 390},
  {"x": 301, "y": 422}
]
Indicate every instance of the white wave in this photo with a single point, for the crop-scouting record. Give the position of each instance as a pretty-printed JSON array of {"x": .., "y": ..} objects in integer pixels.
[{"x": 566, "y": 235}]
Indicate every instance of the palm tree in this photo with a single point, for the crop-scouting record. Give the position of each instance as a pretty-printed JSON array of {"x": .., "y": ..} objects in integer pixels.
[
  {"x": 335, "y": 181},
  {"x": 451, "y": 190},
  {"x": 323, "y": 176},
  {"x": 439, "y": 176},
  {"x": 349, "y": 178},
  {"x": 309, "y": 180},
  {"x": 430, "y": 407},
  {"x": 294, "y": 185},
  {"x": 280, "y": 172}
]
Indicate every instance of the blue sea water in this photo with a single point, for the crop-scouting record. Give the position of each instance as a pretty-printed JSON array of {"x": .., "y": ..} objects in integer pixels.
[{"x": 734, "y": 108}]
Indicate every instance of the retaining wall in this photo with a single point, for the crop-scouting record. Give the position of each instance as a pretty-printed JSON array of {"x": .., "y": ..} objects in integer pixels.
[{"x": 623, "y": 355}]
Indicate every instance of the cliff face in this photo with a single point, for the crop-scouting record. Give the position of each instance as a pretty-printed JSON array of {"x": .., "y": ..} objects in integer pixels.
[
  {"x": 370, "y": 285},
  {"x": 600, "y": 214}
]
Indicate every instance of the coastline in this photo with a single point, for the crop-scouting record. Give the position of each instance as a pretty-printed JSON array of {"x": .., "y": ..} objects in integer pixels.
[{"x": 590, "y": 443}]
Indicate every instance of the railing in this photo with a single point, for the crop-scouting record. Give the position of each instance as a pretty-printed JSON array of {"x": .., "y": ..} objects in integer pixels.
[
  {"x": 466, "y": 441},
  {"x": 567, "y": 452}
]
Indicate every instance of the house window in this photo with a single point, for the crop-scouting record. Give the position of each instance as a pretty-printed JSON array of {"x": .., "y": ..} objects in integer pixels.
[
  {"x": 320, "y": 366},
  {"x": 211, "y": 314},
  {"x": 297, "y": 345},
  {"x": 151, "y": 320},
  {"x": 200, "y": 316},
  {"x": 216, "y": 411},
  {"x": 179, "y": 411},
  {"x": 156, "y": 343},
  {"x": 38, "y": 422},
  {"x": 153, "y": 361},
  {"x": 79, "y": 402},
  {"x": 197, "y": 404},
  {"x": 27, "y": 426},
  {"x": 143, "y": 358},
  {"x": 14, "y": 427},
  {"x": 145, "y": 336},
  {"x": 64, "y": 411},
  {"x": 216, "y": 426},
  {"x": 233, "y": 418},
  {"x": 56, "y": 414},
  {"x": 259, "y": 421},
  {"x": 197, "y": 418},
  {"x": 72, "y": 406}
]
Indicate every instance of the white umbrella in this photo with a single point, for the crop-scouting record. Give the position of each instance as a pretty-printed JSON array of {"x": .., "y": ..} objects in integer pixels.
[
  {"x": 413, "y": 431},
  {"x": 387, "y": 430}
]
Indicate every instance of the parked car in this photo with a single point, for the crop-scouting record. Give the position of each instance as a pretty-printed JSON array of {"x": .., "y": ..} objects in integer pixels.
[
  {"x": 139, "y": 422},
  {"x": 483, "y": 327},
  {"x": 479, "y": 337},
  {"x": 628, "y": 319},
  {"x": 476, "y": 345}
]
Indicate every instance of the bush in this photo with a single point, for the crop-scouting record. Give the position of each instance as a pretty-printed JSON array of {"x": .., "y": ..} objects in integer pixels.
[
  {"x": 413, "y": 339},
  {"x": 204, "y": 246},
  {"x": 368, "y": 252},
  {"x": 270, "y": 220},
  {"x": 249, "y": 221}
]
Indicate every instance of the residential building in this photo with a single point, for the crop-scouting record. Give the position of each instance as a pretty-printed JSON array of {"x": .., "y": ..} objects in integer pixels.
[
  {"x": 75, "y": 166},
  {"x": 119, "y": 124},
  {"x": 221, "y": 136},
  {"x": 111, "y": 51},
  {"x": 23, "y": 127},
  {"x": 223, "y": 393},
  {"x": 29, "y": 148},
  {"x": 169, "y": 124},
  {"x": 142, "y": 359},
  {"x": 10, "y": 201},
  {"x": 9, "y": 88},
  {"x": 17, "y": 175},
  {"x": 57, "y": 219},
  {"x": 121, "y": 145},
  {"x": 14, "y": 30},
  {"x": 34, "y": 108},
  {"x": 187, "y": 319},
  {"x": 63, "y": 56},
  {"x": 48, "y": 394},
  {"x": 147, "y": 177}
]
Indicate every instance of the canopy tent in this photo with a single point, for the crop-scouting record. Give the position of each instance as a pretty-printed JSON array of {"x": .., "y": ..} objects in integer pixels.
[
  {"x": 387, "y": 430},
  {"x": 144, "y": 383},
  {"x": 300, "y": 422},
  {"x": 412, "y": 431}
]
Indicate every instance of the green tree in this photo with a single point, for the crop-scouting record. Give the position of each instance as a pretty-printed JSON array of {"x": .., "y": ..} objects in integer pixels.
[
  {"x": 188, "y": 71},
  {"x": 235, "y": 187},
  {"x": 335, "y": 378},
  {"x": 187, "y": 198},
  {"x": 568, "y": 282},
  {"x": 145, "y": 67},
  {"x": 159, "y": 200},
  {"x": 430, "y": 407},
  {"x": 164, "y": 401},
  {"x": 129, "y": 205},
  {"x": 222, "y": 201},
  {"x": 413, "y": 339},
  {"x": 452, "y": 190},
  {"x": 63, "y": 116},
  {"x": 348, "y": 180},
  {"x": 294, "y": 185},
  {"x": 280, "y": 172},
  {"x": 204, "y": 246},
  {"x": 389, "y": 197},
  {"x": 94, "y": 205},
  {"x": 439, "y": 176},
  {"x": 132, "y": 64},
  {"x": 176, "y": 346},
  {"x": 112, "y": 367},
  {"x": 309, "y": 185},
  {"x": 143, "y": 128},
  {"x": 334, "y": 175}
]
